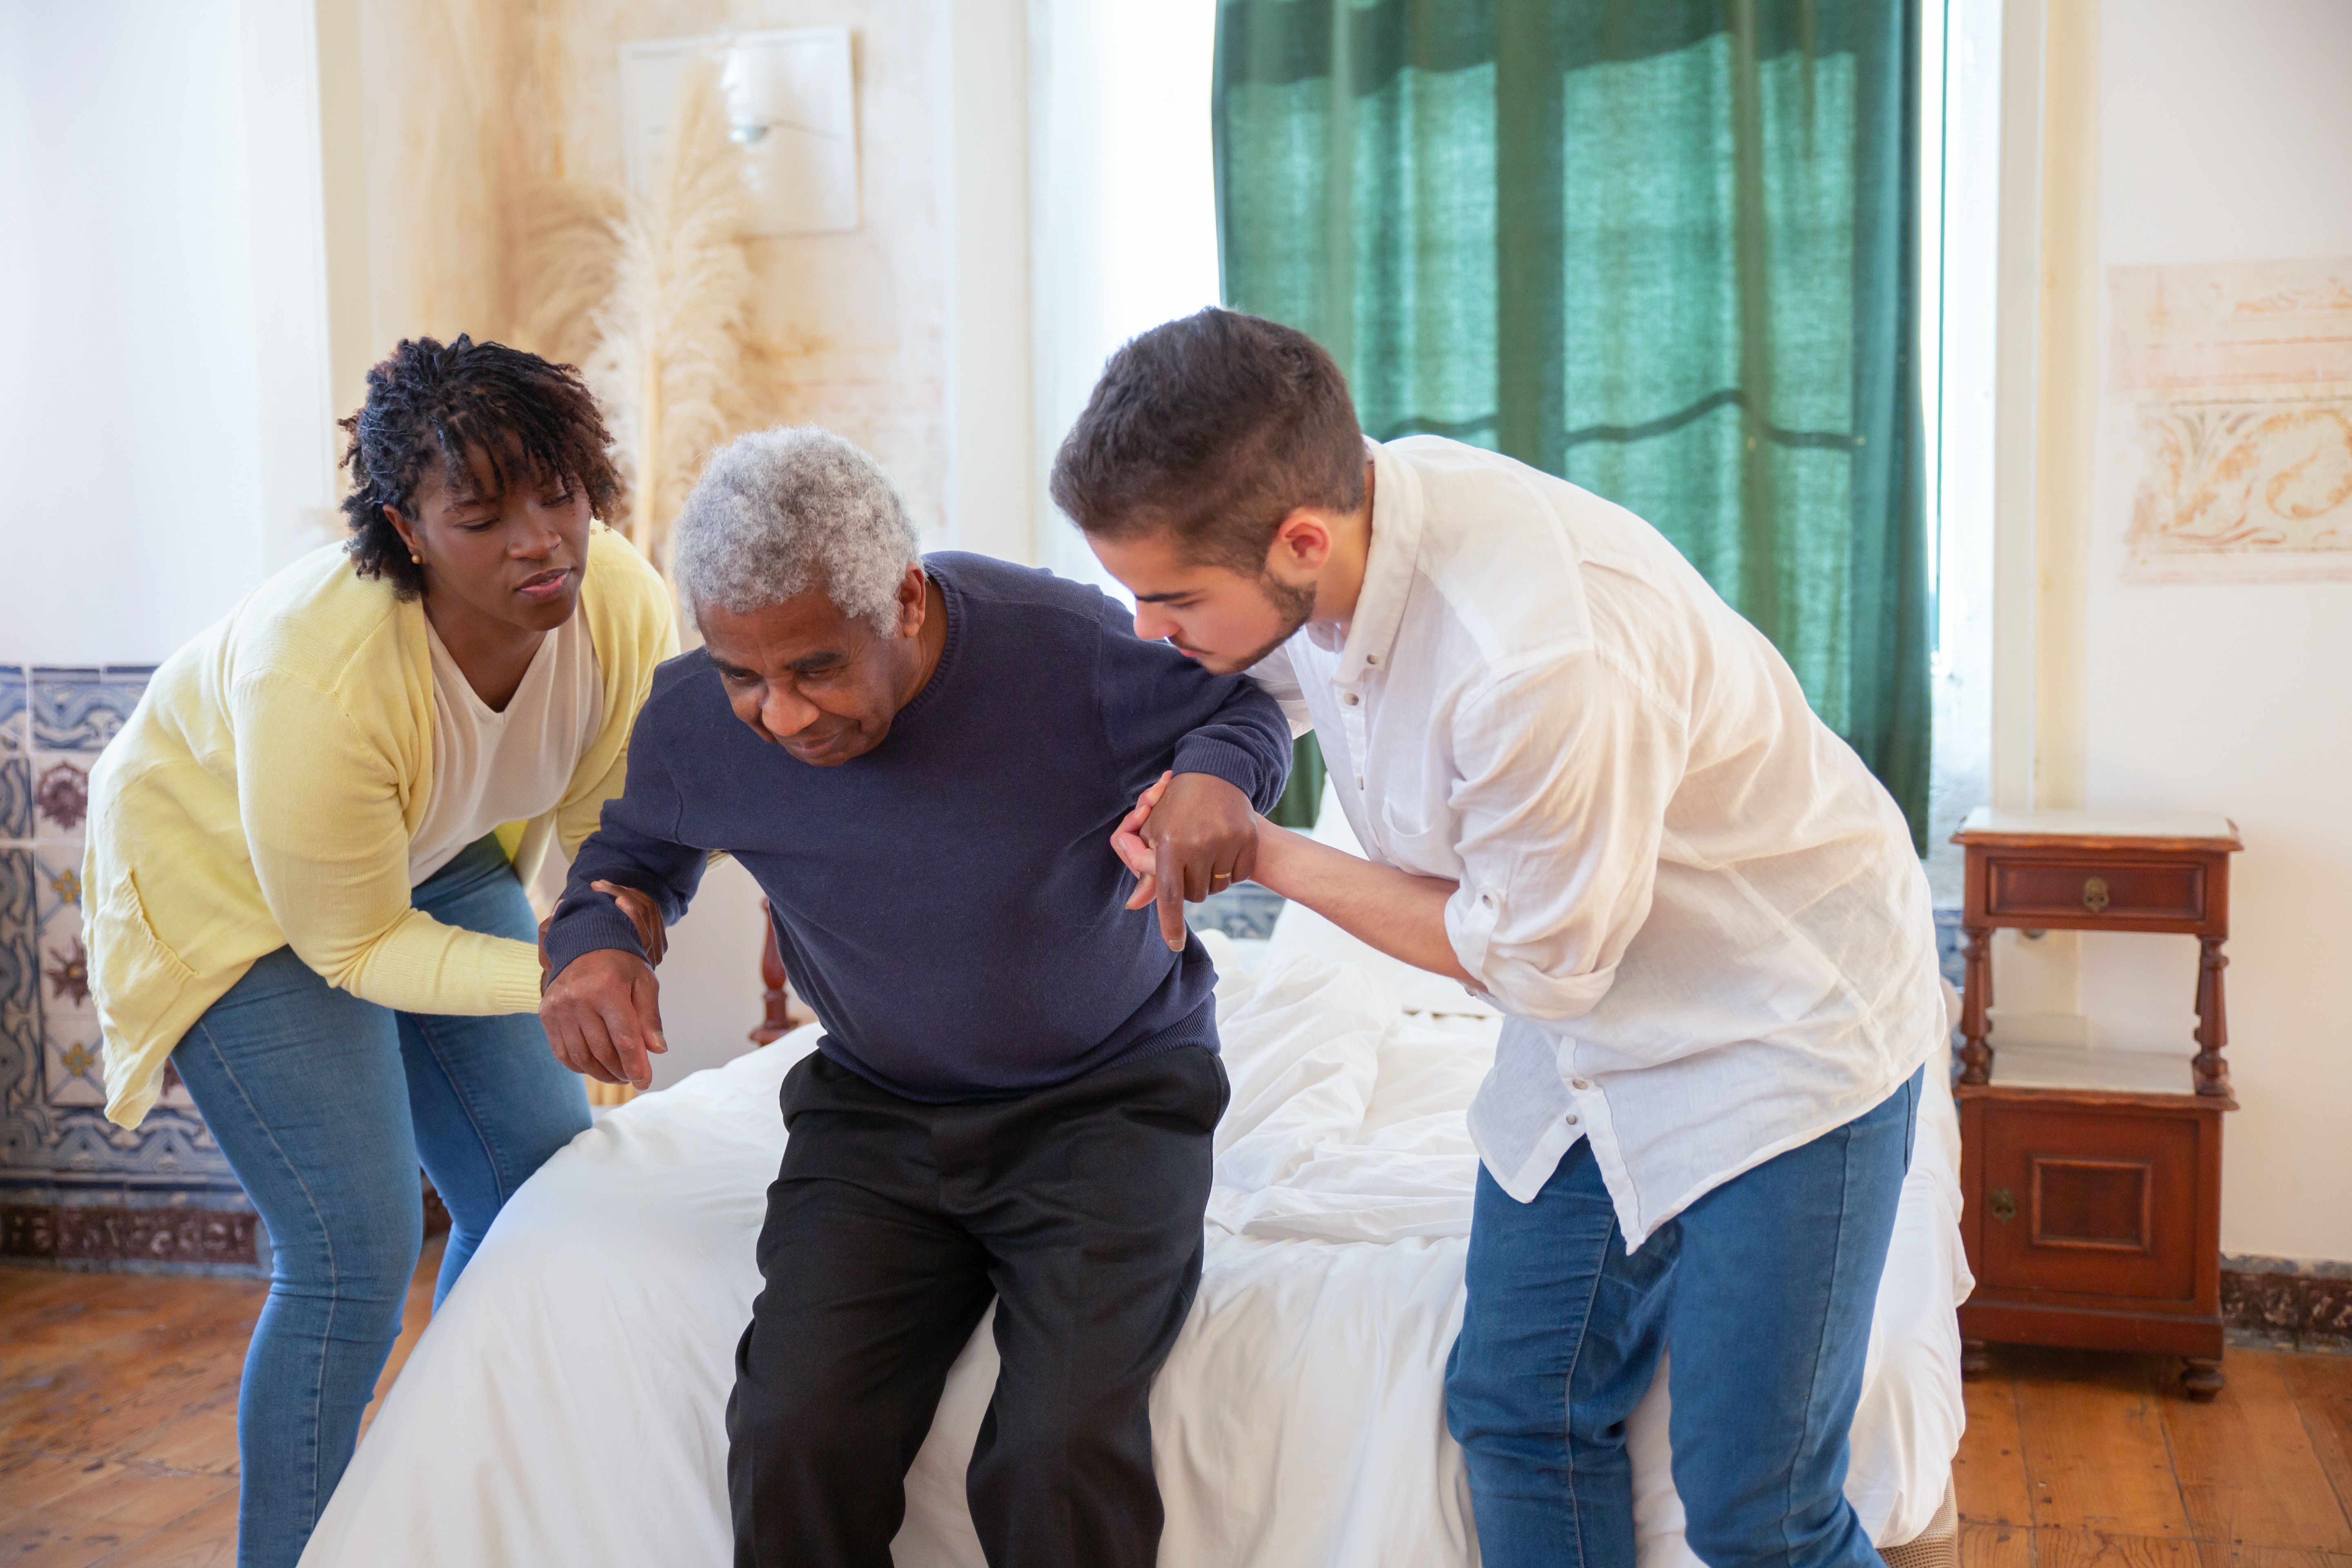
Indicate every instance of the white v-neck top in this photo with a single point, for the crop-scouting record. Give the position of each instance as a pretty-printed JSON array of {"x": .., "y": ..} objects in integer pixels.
[
  {"x": 493, "y": 767},
  {"x": 1702, "y": 913}
]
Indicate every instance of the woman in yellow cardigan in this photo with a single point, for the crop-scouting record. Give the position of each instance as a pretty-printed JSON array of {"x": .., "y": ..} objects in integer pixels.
[{"x": 307, "y": 854}]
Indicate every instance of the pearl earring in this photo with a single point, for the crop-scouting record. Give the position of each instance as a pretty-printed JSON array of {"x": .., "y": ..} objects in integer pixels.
[{"x": 418, "y": 559}]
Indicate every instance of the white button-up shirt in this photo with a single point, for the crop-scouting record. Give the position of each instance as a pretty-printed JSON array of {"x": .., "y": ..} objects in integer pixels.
[{"x": 1702, "y": 914}]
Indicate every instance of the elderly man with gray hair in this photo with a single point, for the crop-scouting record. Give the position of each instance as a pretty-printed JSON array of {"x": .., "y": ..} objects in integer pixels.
[{"x": 922, "y": 760}]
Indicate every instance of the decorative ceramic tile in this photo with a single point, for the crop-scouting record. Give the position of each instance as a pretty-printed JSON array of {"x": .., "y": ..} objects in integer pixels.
[
  {"x": 16, "y": 798},
  {"x": 19, "y": 878},
  {"x": 79, "y": 710},
  {"x": 12, "y": 738},
  {"x": 170, "y": 1234},
  {"x": 20, "y": 1009},
  {"x": 77, "y": 1186},
  {"x": 171, "y": 1145},
  {"x": 2268, "y": 1301},
  {"x": 57, "y": 890},
  {"x": 61, "y": 798},
  {"x": 1244, "y": 912},
  {"x": 20, "y": 1078},
  {"x": 2330, "y": 1321},
  {"x": 65, "y": 972},
  {"x": 76, "y": 1073}
]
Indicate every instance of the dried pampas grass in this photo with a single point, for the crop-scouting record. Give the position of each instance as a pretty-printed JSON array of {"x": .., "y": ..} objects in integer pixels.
[
  {"x": 669, "y": 334},
  {"x": 563, "y": 255}
]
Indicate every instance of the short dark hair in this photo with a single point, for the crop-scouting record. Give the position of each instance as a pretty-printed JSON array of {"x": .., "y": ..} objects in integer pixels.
[
  {"x": 1212, "y": 428},
  {"x": 429, "y": 402}
]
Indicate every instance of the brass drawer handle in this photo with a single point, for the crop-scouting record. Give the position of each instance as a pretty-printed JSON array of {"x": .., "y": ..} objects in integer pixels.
[
  {"x": 2003, "y": 1204},
  {"x": 2094, "y": 893}
]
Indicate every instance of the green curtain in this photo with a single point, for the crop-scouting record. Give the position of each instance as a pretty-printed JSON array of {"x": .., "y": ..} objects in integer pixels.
[
  {"x": 1304, "y": 792},
  {"x": 1665, "y": 249}
]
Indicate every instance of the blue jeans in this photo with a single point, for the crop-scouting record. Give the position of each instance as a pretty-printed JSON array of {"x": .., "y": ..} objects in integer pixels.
[
  {"x": 325, "y": 1105},
  {"x": 1764, "y": 1288}
]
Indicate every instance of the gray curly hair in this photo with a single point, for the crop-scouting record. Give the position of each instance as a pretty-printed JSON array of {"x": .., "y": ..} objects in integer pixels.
[{"x": 777, "y": 510}]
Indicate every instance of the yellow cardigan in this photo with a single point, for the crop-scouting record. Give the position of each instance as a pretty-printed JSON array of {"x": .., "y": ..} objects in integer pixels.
[{"x": 264, "y": 792}]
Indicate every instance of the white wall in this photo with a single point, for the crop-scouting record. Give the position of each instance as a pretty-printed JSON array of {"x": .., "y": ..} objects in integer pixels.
[
  {"x": 2224, "y": 133},
  {"x": 711, "y": 977},
  {"x": 165, "y": 435},
  {"x": 1123, "y": 221},
  {"x": 983, "y": 183}
]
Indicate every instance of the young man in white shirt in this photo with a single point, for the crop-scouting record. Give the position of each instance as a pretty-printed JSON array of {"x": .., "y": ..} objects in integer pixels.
[{"x": 1594, "y": 792}]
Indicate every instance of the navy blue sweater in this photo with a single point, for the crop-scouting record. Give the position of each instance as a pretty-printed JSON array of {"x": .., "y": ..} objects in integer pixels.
[{"x": 949, "y": 903}]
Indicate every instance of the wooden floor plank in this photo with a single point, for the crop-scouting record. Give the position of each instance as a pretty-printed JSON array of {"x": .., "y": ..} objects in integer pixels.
[
  {"x": 203, "y": 1440},
  {"x": 127, "y": 1456},
  {"x": 205, "y": 1538},
  {"x": 2058, "y": 1547},
  {"x": 109, "y": 1418},
  {"x": 63, "y": 1544},
  {"x": 2095, "y": 1446},
  {"x": 1995, "y": 1546},
  {"x": 2218, "y": 1555},
  {"x": 144, "y": 1497},
  {"x": 2247, "y": 1473},
  {"x": 201, "y": 1326},
  {"x": 2321, "y": 1387},
  {"x": 30, "y": 1290},
  {"x": 34, "y": 1481},
  {"x": 1988, "y": 1474},
  {"x": 135, "y": 1505}
]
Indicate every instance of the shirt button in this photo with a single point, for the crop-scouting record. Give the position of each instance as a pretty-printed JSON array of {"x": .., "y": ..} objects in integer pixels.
[
  {"x": 1359, "y": 781},
  {"x": 1578, "y": 1083},
  {"x": 1571, "y": 1119},
  {"x": 1487, "y": 900},
  {"x": 1371, "y": 658},
  {"x": 1349, "y": 698}
]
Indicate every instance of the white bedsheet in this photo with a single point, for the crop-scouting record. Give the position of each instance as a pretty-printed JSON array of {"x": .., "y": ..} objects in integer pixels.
[{"x": 566, "y": 1406}]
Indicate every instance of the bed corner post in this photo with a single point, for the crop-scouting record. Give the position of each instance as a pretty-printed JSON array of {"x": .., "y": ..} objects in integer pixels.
[{"x": 775, "y": 1000}]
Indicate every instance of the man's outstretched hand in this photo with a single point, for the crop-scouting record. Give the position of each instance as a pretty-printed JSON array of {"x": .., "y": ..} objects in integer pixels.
[
  {"x": 1190, "y": 835},
  {"x": 602, "y": 1016}
]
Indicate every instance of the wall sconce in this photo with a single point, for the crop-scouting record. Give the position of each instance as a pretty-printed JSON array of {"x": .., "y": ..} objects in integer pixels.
[{"x": 792, "y": 107}]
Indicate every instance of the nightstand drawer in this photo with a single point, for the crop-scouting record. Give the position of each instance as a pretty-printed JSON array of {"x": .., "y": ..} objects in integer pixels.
[
  {"x": 2113, "y": 893},
  {"x": 2088, "y": 1200}
]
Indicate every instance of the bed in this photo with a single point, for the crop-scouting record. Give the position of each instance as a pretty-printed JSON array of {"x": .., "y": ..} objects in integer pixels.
[{"x": 567, "y": 1404}]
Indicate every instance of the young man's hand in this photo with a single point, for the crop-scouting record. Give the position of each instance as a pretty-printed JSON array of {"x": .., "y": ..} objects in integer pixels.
[
  {"x": 602, "y": 1016},
  {"x": 1190, "y": 835}
]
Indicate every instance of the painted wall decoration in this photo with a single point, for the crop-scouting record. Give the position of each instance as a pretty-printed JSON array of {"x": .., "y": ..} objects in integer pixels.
[
  {"x": 75, "y": 1189},
  {"x": 492, "y": 191},
  {"x": 2236, "y": 382}
]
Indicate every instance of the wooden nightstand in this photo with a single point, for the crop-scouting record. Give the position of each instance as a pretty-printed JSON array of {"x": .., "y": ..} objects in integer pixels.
[{"x": 2092, "y": 1179}]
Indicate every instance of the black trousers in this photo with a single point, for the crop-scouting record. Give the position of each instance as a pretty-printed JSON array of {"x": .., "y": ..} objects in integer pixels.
[{"x": 890, "y": 1228}]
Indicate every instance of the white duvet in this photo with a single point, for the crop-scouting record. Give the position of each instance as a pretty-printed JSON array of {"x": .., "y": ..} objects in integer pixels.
[{"x": 566, "y": 1405}]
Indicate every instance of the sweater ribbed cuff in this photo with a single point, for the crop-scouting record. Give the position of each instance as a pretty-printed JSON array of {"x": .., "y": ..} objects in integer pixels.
[
  {"x": 1223, "y": 760},
  {"x": 514, "y": 986},
  {"x": 588, "y": 926}
]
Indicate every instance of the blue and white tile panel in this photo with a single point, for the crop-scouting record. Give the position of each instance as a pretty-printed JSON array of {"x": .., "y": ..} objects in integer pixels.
[{"x": 55, "y": 1140}]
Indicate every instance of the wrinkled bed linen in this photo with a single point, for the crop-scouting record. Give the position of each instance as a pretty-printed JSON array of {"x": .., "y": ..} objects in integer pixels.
[{"x": 567, "y": 1405}]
